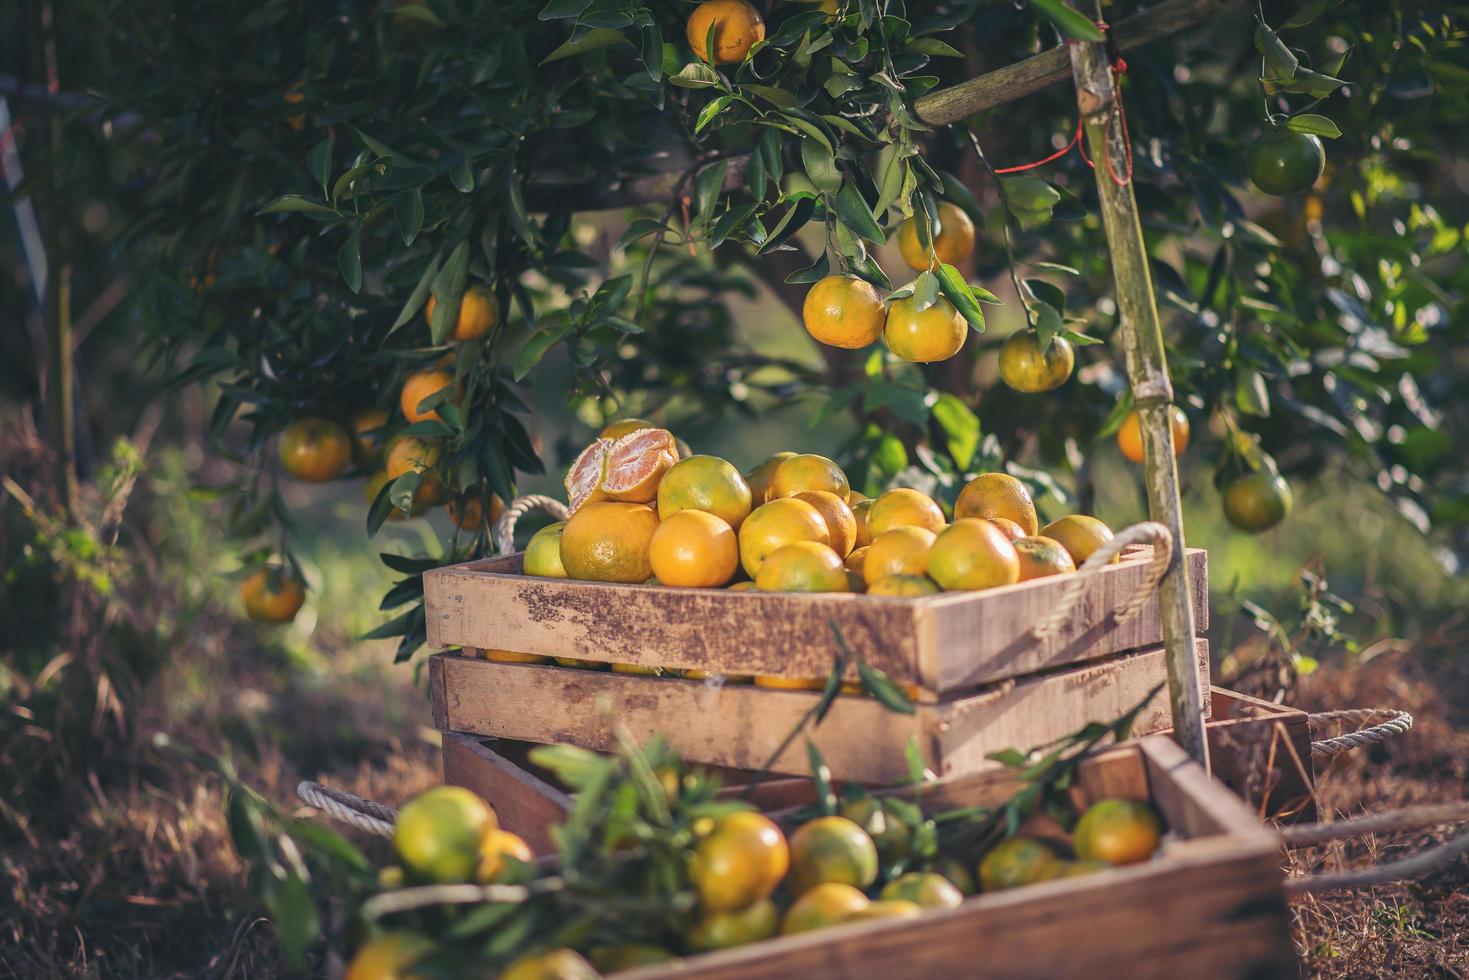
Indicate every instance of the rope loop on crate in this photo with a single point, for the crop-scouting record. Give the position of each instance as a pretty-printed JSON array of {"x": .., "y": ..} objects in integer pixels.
[
  {"x": 1378, "y": 725},
  {"x": 519, "y": 507},
  {"x": 1147, "y": 532},
  {"x": 348, "y": 808}
]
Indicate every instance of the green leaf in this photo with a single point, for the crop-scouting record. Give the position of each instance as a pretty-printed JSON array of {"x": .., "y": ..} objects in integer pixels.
[
  {"x": 319, "y": 164},
  {"x": 408, "y": 213},
  {"x": 1307, "y": 12},
  {"x": 853, "y": 212},
  {"x": 325, "y": 841},
  {"x": 515, "y": 207},
  {"x": 826, "y": 798},
  {"x": 710, "y": 111},
  {"x": 913, "y": 755},
  {"x": 592, "y": 40},
  {"x": 812, "y": 273},
  {"x": 577, "y": 768},
  {"x": 890, "y": 456},
  {"x": 1251, "y": 395},
  {"x": 961, "y": 428},
  {"x": 708, "y": 185},
  {"x": 297, "y": 919},
  {"x": 791, "y": 222},
  {"x": 1283, "y": 61},
  {"x": 349, "y": 258},
  {"x": 419, "y": 296},
  {"x": 448, "y": 289},
  {"x": 247, "y": 828},
  {"x": 562, "y": 9},
  {"x": 535, "y": 348},
  {"x": 1313, "y": 125},
  {"x": 695, "y": 74},
  {"x": 1070, "y": 23},
  {"x": 462, "y": 176},
  {"x": 880, "y": 686},
  {"x": 1030, "y": 193},
  {"x": 821, "y": 166},
  {"x": 296, "y": 202},
  {"x": 958, "y": 292}
]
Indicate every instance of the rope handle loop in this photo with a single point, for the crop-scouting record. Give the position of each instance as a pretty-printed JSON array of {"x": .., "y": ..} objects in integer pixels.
[
  {"x": 348, "y": 808},
  {"x": 1146, "y": 532},
  {"x": 519, "y": 507},
  {"x": 1377, "y": 725}
]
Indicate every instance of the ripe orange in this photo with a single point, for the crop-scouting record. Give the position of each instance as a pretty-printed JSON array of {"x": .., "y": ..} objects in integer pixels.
[
  {"x": 705, "y": 483},
  {"x": 737, "y": 26},
  {"x": 972, "y": 554},
  {"x": 1117, "y": 831},
  {"x": 953, "y": 240},
  {"x": 543, "y": 552},
  {"x": 903, "y": 506},
  {"x": 389, "y": 957},
  {"x": 479, "y": 311},
  {"x": 315, "y": 450},
  {"x": 419, "y": 386},
  {"x": 957, "y": 873},
  {"x": 925, "y": 888},
  {"x": 467, "y": 512},
  {"x": 636, "y": 463},
  {"x": 584, "y": 476},
  {"x": 557, "y": 964},
  {"x": 616, "y": 430},
  {"x": 576, "y": 663},
  {"x": 1130, "y": 435},
  {"x": 992, "y": 495},
  {"x": 807, "y": 472},
  {"x": 881, "y": 822},
  {"x": 511, "y": 657},
  {"x": 802, "y": 566},
  {"x": 1042, "y": 556},
  {"x": 841, "y": 523},
  {"x": 854, "y": 560},
  {"x": 1024, "y": 368},
  {"x": 790, "y": 683},
  {"x": 438, "y": 833},
  {"x": 864, "y": 534},
  {"x": 774, "y": 525},
  {"x": 374, "y": 486},
  {"x": 694, "y": 550},
  {"x": 625, "y": 956},
  {"x": 933, "y": 334},
  {"x": 826, "y": 904},
  {"x": 901, "y": 551},
  {"x": 759, "y": 478},
  {"x": 1015, "y": 862},
  {"x": 722, "y": 930},
  {"x": 903, "y": 585},
  {"x": 1007, "y": 527},
  {"x": 739, "y": 862},
  {"x": 504, "y": 859},
  {"x": 1080, "y": 535},
  {"x": 704, "y": 675},
  {"x": 607, "y": 541},
  {"x": 748, "y": 585},
  {"x": 272, "y": 594},
  {"x": 408, "y": 453},
  {"x": 1257, "y": 501},
  {"x": 367, "y": 435},
  {"x": 843, "y": 311},
  {"x": 887, "y": 908}
]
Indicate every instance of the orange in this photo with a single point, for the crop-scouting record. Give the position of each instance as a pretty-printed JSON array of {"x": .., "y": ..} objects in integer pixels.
[
  {"x": 1117, "y": 831},
  {"x": 1015, "y": 862},
  {"x": 1024, "y": 368},
  {"x": 992, "y": 495},
  {"x": 705, "y": 483},
  {"x": 625, "y": 956},
  {"x": 887, "y": 830},
  {"x": 759, "y": 478},
  {"x": 584, "y": 476},
  {"x": 746, "y": 586},
  {"x": 802, "y": 566},
  {"x": 1130, "y": 434},
  {"x": 692, "y": 549},
  {"x": 636, "y": 463},
  {"x": 1078, "y": 869},
  {"x": 504, "y": 859},
  {"x": 1007, "y": 527},
  {"x": 855, "y": 559},
  {"x": 389, "y": 957},
  {"x": 722, "y": 930},
  {"x": 790, "y": 683},
  {"x": 807, "y": 472},
  {"x": 367, "y": 435},
  {"x": 511, "y": 657},
  {"x": 957, "y": 873},
  {"x": 557, "y": 964},
  {"x": 841, "y": 523},
  {"x": 774, "y": 525},
  {"x": 408, "y": 453},
  {"x": 1041, "y": 556},
  {"x": 887, "y": 908},
  {"x": 737, "y": 26},
  {"x": 577, "y": 663},
  {"x": 924, "y": 335},
  {"x": 831, "y": 849},
  {"x": 420, "y": 386},
  {"x": 438, "y": 833},
  {"x": 901, "y": 507},
  {"x": 702, "y": 675},
  {"x": 739, "y": 862},
  {"x": 315, "y": 450},
  {"x": 953, "y": 239},
  {"x": 1080, "y": 535},
  {"x": 543, "y": 553},
  {"x": 607, "y": 541},
  {"x": 826, "y": 904},
  {"x": 972, "y": 554},
  {"x": 295, "y": 96},
  {"x": 925, "y": 888},
  {"x": 638, "y": 669},
  {"x": 864, "y": 534},
  {"x": 467, "y": 512},
  {"x": 616, "y": 430},
  {"x": 479, "y": 311},
  {"x": 843, "y": 311},
  {"x": 903, "y": 586},
  {"x": 272, "y": 594},
  {"x": 901, "y": 551},
  {"x": 1257, "y": 501}
]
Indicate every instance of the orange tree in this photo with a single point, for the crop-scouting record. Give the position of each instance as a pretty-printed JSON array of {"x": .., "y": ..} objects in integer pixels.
[{"x": 362, "y": 222}]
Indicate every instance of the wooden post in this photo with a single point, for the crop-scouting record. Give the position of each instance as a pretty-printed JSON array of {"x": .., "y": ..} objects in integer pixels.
[{"x": 1147, "y": 369}]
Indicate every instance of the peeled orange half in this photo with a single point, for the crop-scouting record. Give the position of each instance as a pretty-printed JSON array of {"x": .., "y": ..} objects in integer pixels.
[{"x": 628, "y": 468}]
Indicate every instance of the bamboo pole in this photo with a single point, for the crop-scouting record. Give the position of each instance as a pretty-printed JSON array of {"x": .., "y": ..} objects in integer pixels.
[{"x": 1147, "y": 370}]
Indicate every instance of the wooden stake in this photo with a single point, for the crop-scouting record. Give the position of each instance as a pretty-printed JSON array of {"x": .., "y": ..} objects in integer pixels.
[{"x": 1147, "y": 369}]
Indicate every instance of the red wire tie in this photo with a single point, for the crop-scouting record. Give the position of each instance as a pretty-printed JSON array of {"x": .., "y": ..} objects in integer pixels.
[{"x": 1118, "y": 66}]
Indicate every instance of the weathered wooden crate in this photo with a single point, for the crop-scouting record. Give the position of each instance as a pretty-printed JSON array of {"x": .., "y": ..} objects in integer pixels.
[
  {"x": 741, "y": 726},
  {"x": 1208, "y": 904},
  {"x": 943, "y": 644},
  {"x": 530, "y": 802}
]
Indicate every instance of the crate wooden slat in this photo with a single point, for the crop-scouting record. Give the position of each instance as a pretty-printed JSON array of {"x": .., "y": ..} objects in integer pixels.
[
  {"x": 942, "y": 644},
  {"x": 739, "y": 726},
  {"x": 1262, "y": 751}
]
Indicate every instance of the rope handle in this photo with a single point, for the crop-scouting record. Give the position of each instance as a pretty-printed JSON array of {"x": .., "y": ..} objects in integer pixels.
[
  {"x": 348, "y": 808},
  {"x": 1146, "y": 532},
  {"x": 1388, "y": 722},
  {"x": 519, "y": 507}
]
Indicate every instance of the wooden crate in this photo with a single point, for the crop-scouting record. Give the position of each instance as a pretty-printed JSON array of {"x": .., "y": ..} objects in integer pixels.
[
  {"x": 1208, "y": 904},
  {"x": 941, "y": 644},
  {"x": 740, "y": 726},
  {"x": 530, "y": 802}
]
